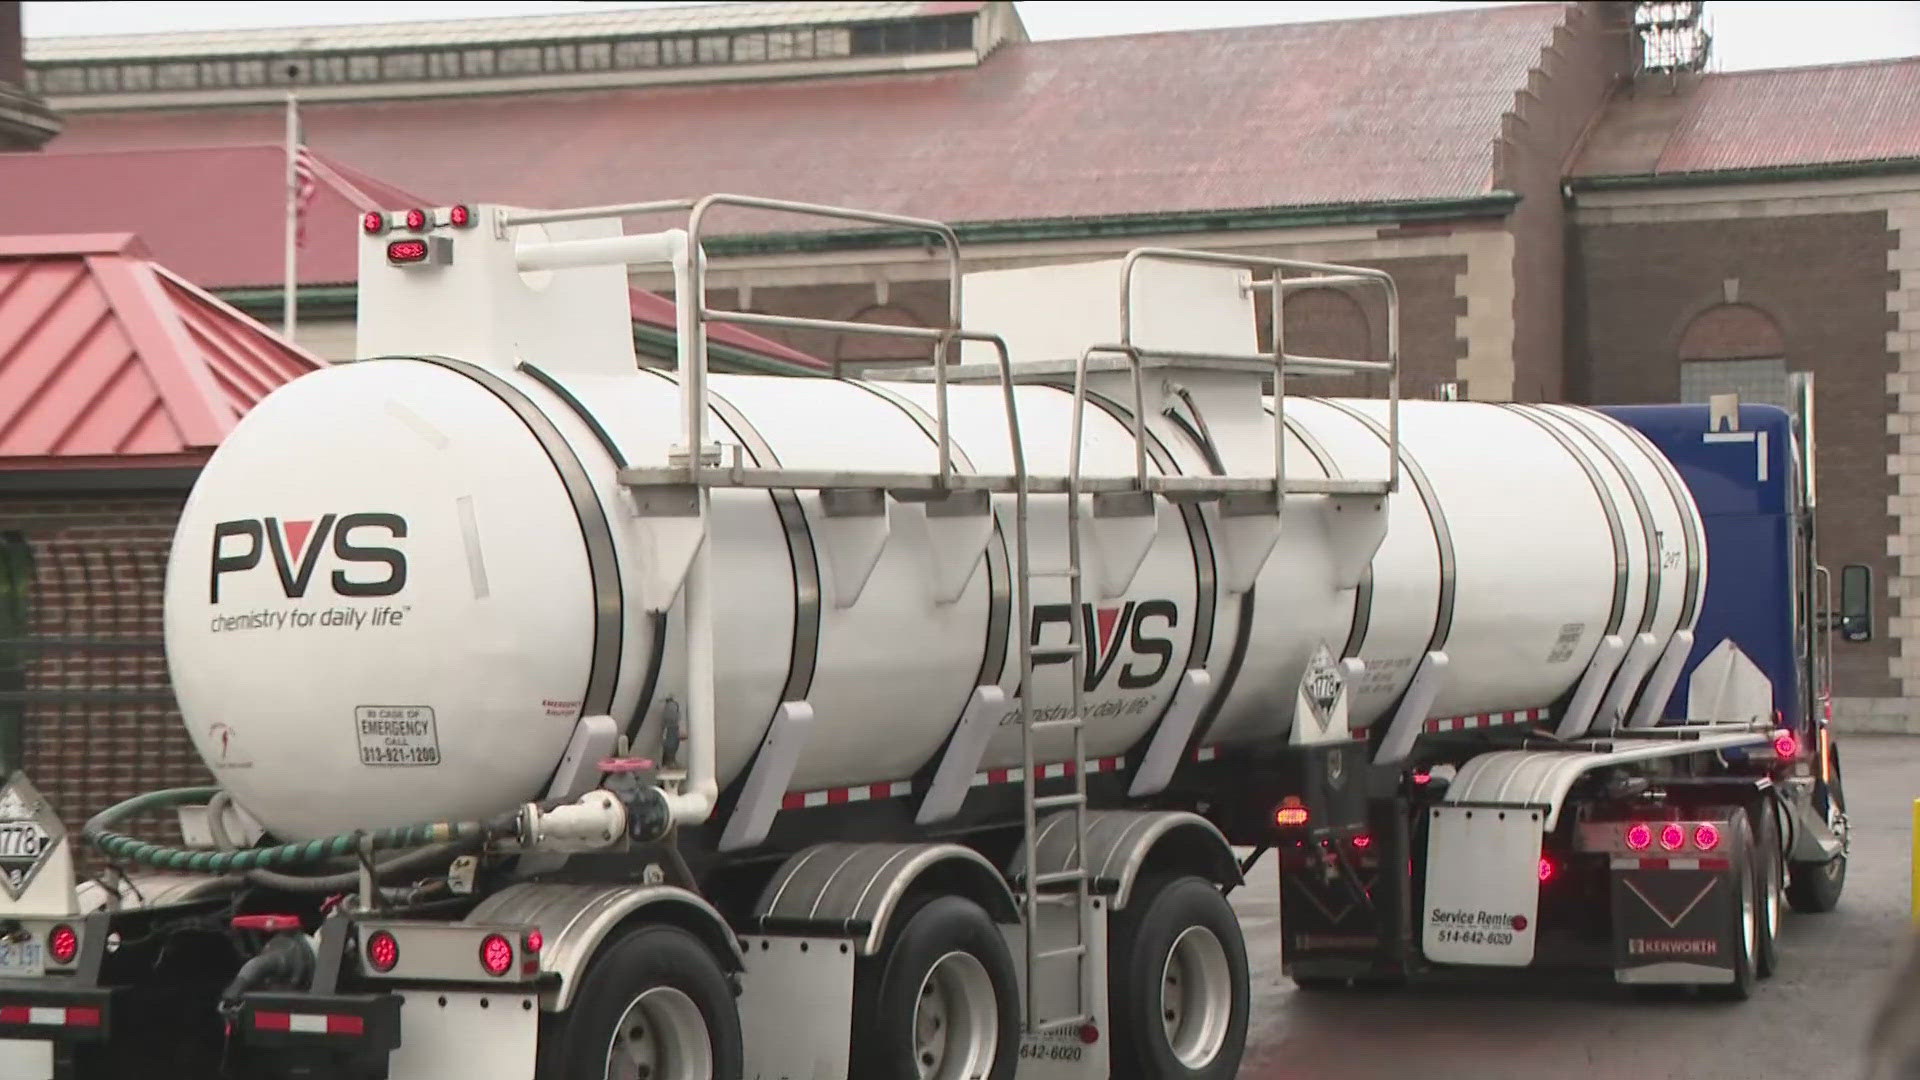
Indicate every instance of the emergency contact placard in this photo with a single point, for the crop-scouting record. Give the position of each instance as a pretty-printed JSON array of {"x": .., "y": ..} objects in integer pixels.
[{"x": 396, "y": 735}]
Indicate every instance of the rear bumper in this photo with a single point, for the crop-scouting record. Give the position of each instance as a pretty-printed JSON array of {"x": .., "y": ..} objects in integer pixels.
[{"x": 55, "y": 1008}]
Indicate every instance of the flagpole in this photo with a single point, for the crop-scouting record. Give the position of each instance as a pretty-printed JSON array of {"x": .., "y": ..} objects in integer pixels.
[{"x": 289, "y": 310}]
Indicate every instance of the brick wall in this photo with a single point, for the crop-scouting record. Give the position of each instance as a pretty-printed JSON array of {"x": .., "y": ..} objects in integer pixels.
[
  {"x": 1823, "y": 280},
  {"x": 99, "y": 723},
  {"x": 1589, "y": 57}
]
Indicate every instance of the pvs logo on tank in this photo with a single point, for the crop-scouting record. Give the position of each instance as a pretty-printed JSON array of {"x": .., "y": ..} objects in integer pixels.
[{"x": 362, "y": 556}]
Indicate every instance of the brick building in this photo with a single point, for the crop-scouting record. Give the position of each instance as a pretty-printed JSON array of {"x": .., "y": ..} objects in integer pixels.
[
  {"x": 1573, "y": 210},
  {"x": 117, "y": 379}
]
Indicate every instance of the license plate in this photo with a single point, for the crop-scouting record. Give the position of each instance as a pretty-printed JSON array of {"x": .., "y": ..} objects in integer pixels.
[{"x": 22, "y": 959}]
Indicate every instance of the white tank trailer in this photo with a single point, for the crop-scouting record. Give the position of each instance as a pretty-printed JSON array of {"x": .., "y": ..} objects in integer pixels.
[{"x": 682, "y": 690}]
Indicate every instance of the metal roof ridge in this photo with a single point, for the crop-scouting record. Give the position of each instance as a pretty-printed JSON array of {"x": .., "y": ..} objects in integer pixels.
[
  {"x": 164, "y": 347},
  {"x": 250, "y": 323},
  {"x": 43, "y": 244}
]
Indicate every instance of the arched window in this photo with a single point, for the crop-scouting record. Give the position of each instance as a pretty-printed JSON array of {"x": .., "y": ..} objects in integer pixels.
[
  {"x": 1331, "y": 323},
  {"x": 853, "y": 349},
  {"x": 1733, "y": 349}
]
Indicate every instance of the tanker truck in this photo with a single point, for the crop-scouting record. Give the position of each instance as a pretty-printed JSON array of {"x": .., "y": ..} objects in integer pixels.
[{"x": 576, "y": 719}]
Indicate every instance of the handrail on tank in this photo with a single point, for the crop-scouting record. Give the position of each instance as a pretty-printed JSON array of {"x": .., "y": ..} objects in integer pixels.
[{"x": 1323, "y": 274}]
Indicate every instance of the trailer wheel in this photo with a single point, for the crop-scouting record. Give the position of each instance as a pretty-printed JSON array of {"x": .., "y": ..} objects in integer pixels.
[
  {"x": 654, "y": 1005},
  {"x": 1770, "y": 887},
  {"x": 1743, "y": 931},
  {"x": 1177, "y": 983},
  {"x": 940, "y": 1001},
  {"x": 1815, "y": 887}
]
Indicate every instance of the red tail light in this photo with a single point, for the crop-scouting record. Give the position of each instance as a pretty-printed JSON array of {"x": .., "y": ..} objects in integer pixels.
[
  {"x": 496, "y": 955},
  {"x": 1786, "y": 746},
  {"x": 383, "y": 952},
  {"x": 1548, "y": 870},
  {"x": 1672, "y": 836},
  {"x": 1290, "y": 814},
  {"x": 416, "y": 219},
  {"x": 407, "y": 251},
  {"x": 460, "y": 217},
  {"x": 1639, "y": 836},
  {"x": 63, "y": 944},
  {"x": 373, "y": 223},
  {"x": 534, "y": 942},
  {"x": 1363, "y": 842},
  {"x": 1706, "y": 837}
]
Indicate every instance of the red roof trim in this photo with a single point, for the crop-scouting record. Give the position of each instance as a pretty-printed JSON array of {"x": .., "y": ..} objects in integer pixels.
[
  {"x": 185, "y": 386},
  {"x": 72, "y": 244}
]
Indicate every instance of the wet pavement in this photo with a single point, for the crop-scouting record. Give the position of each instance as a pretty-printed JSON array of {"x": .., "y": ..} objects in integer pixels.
[{"x": 1808, "y": 1020}]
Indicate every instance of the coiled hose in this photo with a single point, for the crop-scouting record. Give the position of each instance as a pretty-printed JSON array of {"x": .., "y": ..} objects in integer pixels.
[
  {"x": 325, "y": 883},
  {"x": 98, "y": 831}
]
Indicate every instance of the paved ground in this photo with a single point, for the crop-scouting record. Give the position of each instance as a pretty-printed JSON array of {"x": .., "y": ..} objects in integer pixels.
[{"x": 1807, "y": 1021}]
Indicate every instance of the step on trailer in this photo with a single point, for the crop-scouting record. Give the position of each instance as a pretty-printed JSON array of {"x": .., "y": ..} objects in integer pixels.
[{"x": 579, "y": 720}]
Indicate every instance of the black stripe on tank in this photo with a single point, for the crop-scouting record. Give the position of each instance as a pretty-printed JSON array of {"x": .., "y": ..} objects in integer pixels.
[
  {"x": 993, "y": 654},
  {"x": 1206, "y": 598},
  {"x": 1442, "y": 535},
  {"x": 1677, "y": 490},
  {"x": 1363, "y": 592},
  {"x": 805, "y": 655},
  {"x": 1648, "y": 535},
  {"x": 1615, "y": 530},
  {"x": 596, "y": 533}
]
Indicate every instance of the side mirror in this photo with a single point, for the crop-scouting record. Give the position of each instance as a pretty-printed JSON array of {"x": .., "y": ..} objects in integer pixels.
[{"x": 1856, "y": 602}]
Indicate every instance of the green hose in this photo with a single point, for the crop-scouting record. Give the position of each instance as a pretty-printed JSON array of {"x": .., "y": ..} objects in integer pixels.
[{"x": 120, "y": 846}]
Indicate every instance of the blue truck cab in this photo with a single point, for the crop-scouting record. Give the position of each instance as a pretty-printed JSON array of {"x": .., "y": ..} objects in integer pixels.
[{"x": 1748, "y": 468}]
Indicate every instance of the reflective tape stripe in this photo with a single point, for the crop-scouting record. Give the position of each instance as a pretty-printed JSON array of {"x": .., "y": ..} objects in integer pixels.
[
  {"x": 51, "y": 1015},
  {"x": 897, "y": 789},
  {"x": 1485, "y": 720},
  {"x": 1052, "y": 771},
  {"x": 799, "y": 800},
  {"x": 1672, "y": 864},
  {"x": 310, "y": 1023}
]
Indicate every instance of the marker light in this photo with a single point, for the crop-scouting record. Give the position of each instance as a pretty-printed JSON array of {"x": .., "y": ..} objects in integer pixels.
[
  {"x": 1639, "y": 836},
  {"x": 383, "y": 952},
  {"x": 402, "y": 252},
  {"x": 1672, "y": 836},
  {"x": 373, "y": 223},
  {"x": 1290, "y": 815},
  {"x": 534, "y": 941},
  {"x": 460, "y": 216},
  {"x": 496, "y": 955},
  {"x": 1548, "y": 871},
  {"x": 1786, "y": 745},
  {"x": 416, "y": 219},
  {"x": 63, "y": 944},
  {"x": 1706, "y": 837},
  {"x": 1363, "y": 842}
]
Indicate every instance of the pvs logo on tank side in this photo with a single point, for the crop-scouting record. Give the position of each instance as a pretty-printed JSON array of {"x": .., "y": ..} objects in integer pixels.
[
  {"x": 1137, "y": 627},
  {"x": 295, "y": 547}
]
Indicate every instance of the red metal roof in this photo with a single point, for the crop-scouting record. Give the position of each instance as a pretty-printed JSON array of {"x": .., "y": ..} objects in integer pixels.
[
  {"x": 109, "y": 359},
  {"x": 1829, "y": 115},
  {"x": 215, "y": 215},
  {"x": 1397, "y": 108}
]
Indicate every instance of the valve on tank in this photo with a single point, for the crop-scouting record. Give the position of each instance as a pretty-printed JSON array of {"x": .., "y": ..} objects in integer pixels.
[{"x": 627, "y": 807}]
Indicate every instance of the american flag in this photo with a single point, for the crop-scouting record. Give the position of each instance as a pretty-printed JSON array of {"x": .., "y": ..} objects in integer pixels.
[{"x": 304, "y": 188}]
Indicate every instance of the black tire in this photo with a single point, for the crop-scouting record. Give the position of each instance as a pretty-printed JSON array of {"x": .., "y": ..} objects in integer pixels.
[
  {"x": 888, "y": 987},
  {"x": 1768, "y": 871},
  {"x": 1143, "y": 971},
  {"x": 1743, "y": 919},
  {"x": 1815, "y": 887},
  {"x": 577, "y": 1044}
]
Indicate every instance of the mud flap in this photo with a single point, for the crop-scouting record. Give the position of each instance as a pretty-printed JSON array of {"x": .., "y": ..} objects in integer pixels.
[
  {"x": 1483, "y": 884},
  {"x": 1670, "y": 918}
]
